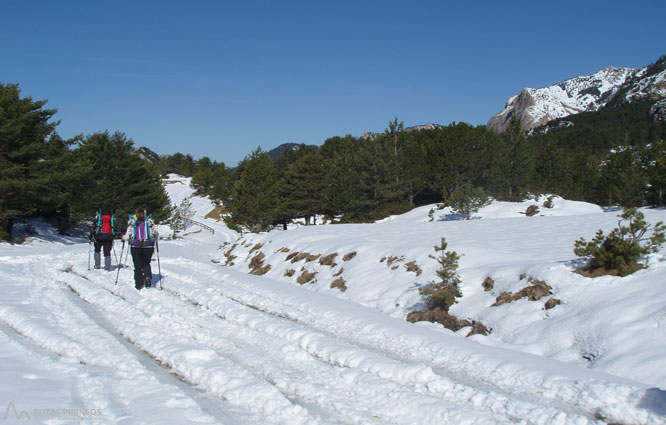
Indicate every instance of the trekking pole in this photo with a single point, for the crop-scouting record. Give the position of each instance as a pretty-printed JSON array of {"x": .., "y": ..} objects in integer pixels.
[
  {"x": 121, "y": 260},
  {"x": 113, "y": 248},
  {"x": 89, "y": 251},
  {"x": 159, "y": 268}
]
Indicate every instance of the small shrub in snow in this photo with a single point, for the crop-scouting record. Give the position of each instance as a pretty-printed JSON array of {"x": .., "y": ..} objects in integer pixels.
[
  {"x": 444, "y": 293},
  {"x": 548, "y": 203},
  {"x": 290, "y": 272},
  {"x": 467, "y": 200},
  {"x": 328, "y": 260},
  {"x": 534, "y": 292},
  {"x": 339, "y": 272},
  {"x": 306, "y": 277},
  {"x": 532, "y": 210},
  {"x": 488, "y": 284},
  {"x": 349, "y": 256},
  {"x": 551, "y": 303},
  {"x": 413, "y": 267},
  {"x": 619, "y": 251},
  {"x": 257, "y": 265},
  {"x": 340, "y": 284}
]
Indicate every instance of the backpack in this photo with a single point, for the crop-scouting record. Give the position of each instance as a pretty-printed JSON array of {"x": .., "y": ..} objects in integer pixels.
[
  {"x": 142, "y": 234},
  {"x": 105, "y": 225}
]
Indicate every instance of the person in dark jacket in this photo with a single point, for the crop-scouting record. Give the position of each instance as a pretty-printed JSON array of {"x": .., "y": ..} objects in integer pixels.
[
  {"x": 101, "y": 234},
  {"x": 141, "y": 236}
]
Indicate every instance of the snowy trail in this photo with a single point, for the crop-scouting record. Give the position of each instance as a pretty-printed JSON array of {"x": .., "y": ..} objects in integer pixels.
[{"x": 220, "y": 346}]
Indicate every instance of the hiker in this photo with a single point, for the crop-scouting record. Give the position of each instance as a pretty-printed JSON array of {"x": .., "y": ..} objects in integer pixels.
[
  {"x": 102, "y": 234},
  {"x": 141, "y": 236}
]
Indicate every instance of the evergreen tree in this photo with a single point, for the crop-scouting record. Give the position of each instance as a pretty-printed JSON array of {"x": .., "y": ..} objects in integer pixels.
[
  {"x": 467, "y": 199},
  {"x": 28, "y": 149},
  {"x": 301, "y": 186},
  {"x": 117, "y": 179},
  {"x": 255, "y": 195},
  {"x": 342, "y": 193},
  {"x": 444, "y": 294},
  {"x": 623, "y": 180}
]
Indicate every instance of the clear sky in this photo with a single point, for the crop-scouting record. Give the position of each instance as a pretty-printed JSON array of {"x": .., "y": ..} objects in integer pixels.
[{"x": 220, "y": 78}]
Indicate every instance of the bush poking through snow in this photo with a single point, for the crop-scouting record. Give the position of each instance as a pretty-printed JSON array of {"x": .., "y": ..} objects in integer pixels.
[
  {"x": 551, "y": 303},
  {"x": 340, "y": 284},
  {"x": 349, "y": 256},
  {"x": 534, "y": 292},
  {"x": 548, "y": 203},
  {"x": 449, "y": 321},
  {"x": 306, "y": 277},
  {"x": 257, "y": 265},
  {"x": 413, "y": 267},
  {"x": 443, "y": 294},
  {"x": 488, "y": 283},
  {"x": 467, "y": 200},
  {"x": 619, "y": 251},
  {"x": 329, "y": 260},
  {"x": 532, "y": 210}
]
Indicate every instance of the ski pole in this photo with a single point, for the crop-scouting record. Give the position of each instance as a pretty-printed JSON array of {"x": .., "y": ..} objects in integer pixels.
[
  {"x": 121, "y": 260},
  {"x": 113, "y": 248},
  {"x": 89, "y": 251},
  {"x": 159, "y": 267}
]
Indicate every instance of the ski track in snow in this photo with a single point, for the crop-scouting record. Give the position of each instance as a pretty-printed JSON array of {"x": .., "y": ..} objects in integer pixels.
[{"x": 219, "y": 346}]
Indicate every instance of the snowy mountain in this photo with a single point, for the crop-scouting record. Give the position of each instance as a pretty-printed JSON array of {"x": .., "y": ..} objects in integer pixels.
[
  {"x": 235, "y": 337},
  {"x": 535, "y": 107}
]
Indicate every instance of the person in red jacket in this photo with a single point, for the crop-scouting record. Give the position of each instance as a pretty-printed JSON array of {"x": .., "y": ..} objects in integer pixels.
[{"x": 102, "y": 234}]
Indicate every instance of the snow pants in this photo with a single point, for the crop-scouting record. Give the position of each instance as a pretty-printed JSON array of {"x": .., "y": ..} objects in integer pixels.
[{"x": 141, "y": 257}]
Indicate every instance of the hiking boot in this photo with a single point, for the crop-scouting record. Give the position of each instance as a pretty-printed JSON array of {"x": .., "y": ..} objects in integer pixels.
[
  {"x": 97, "y": 266},
  {"x": 147, "y": 282}
]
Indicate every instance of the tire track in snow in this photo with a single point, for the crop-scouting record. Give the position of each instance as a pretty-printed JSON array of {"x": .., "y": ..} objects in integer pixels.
[
  {"x": 563, "y": 397},
  {"x": 305, "y": 380},
  {"x": 194, "y": 361},
  {"x": 347, "y": 354},
  {"x": 151, "y": 364}
]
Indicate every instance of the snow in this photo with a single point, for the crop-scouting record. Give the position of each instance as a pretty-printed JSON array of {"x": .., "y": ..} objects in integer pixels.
[{"x": 219, "y": 345}]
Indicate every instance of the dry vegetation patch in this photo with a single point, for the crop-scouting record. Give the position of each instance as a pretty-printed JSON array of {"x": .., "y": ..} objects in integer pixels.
[
  {"x": 229, "y": 256},
  {"x": 449, "y": 321},
  {"x": 217, "y": 212},
  {"x": 329, "y": 260},
  {"x": 340, "y": 284},
  {"x": 413, "y": 267},
  {"x": 488, "y": 284},
  {"x": 306, "y": 277},
  {"x": 339, "y": 272},
  {"x": 290, "y": 272},
  {"x": 257, "y": 265},
  {"x": 551, "y": 303},
  {"x": 256, "y": 247},
  {"x": 349, "y": 256},
  {"x": 534, "y": 292}
]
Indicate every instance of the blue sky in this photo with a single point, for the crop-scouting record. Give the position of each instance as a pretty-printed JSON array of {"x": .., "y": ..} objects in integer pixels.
[{"x": 220, "y": 78}]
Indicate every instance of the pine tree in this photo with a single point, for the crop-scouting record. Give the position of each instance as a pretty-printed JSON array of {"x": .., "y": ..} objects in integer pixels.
[
  {"x": 301, "y": 186},
  {"x": 117, "y": 179},
  {"x": 444, "y": 293},
  {"x": 255, "y": 195},
  {"x": 29, "y": 148},
  {"x": 467, "y": 199}
]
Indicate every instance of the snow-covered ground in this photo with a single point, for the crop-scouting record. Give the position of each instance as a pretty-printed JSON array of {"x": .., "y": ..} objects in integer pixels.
[{"x": 219, "y": 345}]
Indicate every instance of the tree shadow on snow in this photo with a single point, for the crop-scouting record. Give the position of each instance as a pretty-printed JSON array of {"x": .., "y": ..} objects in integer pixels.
[{"x": 654, "y": 401}]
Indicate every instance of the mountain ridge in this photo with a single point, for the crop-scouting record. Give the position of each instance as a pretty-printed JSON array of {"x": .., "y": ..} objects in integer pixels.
[{"x": 607, "y": 87}]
